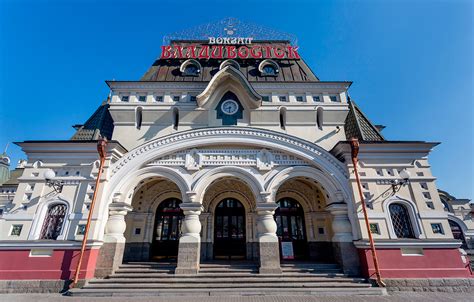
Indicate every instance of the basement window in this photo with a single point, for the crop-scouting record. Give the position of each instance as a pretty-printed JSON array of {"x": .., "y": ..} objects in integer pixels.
[{"x": 374, "y": 228}]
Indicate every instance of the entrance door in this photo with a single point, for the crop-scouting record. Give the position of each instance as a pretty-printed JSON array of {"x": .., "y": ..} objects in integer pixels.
[
  {"x": 291, "y": 228},
  {"x": 167, "y": 230},
  {"x": 229, "y": 230}
]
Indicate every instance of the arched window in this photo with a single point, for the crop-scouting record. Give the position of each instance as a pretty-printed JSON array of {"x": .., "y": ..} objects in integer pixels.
[
  {"x": 229, "y": 62},
  {"x": 53, "y": 222},
  {"x": 268, "y": 68},
  {"x": 283, "y": 118},
  {"x": 175, "y": 118},
  {"x": 190, "y": 68},
  {"x": 401, "y": 221},
  {"x": 457, "y": 232},
  {"x": 138, "y": 117},
  {"x": 319, "y": 117}
]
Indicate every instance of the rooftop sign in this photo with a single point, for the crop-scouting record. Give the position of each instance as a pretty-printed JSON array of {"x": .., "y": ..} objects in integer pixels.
[{"x": 221, "y": 51}]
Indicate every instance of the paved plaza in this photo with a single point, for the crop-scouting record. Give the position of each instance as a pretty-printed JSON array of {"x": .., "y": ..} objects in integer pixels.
[{"x": 405, "y": 296}]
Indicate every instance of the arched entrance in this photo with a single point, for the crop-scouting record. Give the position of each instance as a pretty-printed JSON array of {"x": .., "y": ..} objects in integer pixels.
[
  {"x": 291, "y": 230},
  {"x": 167, "y": 230},
  {"x": 229, "y": 230}
]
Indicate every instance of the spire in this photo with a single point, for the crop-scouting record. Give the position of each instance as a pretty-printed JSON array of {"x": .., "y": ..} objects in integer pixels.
[{"x": 4, "y": 166}]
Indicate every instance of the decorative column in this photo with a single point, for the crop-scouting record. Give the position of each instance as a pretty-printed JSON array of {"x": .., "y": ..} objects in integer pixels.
[
  {"x": 269, "y": 251},
  {"x": 345, "y": 252},
  {"x": 111, "y": 252},
  {"x": 190, "y": 241}
]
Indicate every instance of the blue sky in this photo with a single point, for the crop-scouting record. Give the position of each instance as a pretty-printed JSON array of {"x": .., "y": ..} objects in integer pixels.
[{"x": 411, "y": 63}]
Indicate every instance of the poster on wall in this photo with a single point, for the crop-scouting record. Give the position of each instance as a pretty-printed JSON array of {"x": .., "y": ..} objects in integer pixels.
[{"x": 287, "y": 250}]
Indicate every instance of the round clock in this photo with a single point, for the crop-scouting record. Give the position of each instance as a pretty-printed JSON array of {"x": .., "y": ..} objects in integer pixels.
[{"x": 229, "y": 107}]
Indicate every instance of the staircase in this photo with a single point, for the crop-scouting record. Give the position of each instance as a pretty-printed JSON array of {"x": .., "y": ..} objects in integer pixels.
[{"x": 239, "y": 279}]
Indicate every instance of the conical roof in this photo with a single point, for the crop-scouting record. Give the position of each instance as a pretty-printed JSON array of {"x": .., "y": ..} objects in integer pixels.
[{"x": 357, "y": 125}]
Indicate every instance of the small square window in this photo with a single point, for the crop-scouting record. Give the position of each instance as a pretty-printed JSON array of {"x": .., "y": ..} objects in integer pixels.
[
  {"x": 321, "y": 231},
  {"x": 424, "y": 185},
  {"x": 300, "y": 99},
  {"x": 437, "y": 228},
  {"x": 176, "y": 98},
  {"x": 333, "y": 98},
  {"x": 266, "y": 98},
  {"x": 159, "y": 98},
  {"x": 374, "y": 228},
  {"x": 419, "y": 174},
  {"x": 16, "y": 230},
  {"x": 316, "y": 98},
  {"x": 426, "y": 195},
  {"x": 81, "y": 229},
  {"x": 282, "y": 98},
  {"x": 430, "y": 205},
  {"x": 138, "y": 231},
  {"x": 142, "y": 98},
  {"x": 125, "y": 98},
  {"x": 193, "y": 98}
]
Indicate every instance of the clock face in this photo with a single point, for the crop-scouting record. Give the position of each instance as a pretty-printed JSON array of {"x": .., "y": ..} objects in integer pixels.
[{"x": 229, "y": 107}]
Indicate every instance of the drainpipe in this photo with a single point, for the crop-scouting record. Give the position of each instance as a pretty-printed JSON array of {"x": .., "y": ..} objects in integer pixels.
[
  {"x": 101, "y": 144},
  {"x": 354, "y": 152}
]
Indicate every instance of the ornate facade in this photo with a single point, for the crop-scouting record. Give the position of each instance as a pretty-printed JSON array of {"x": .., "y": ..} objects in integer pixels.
[{"x": 229, "y": 158}]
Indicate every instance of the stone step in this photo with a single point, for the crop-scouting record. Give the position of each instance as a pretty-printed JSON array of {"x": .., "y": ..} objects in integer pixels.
[
  {"x": 230, "y": 292},
  {"x": 248, "y": 285},
  {"x": 209, "y": 279},
  {"x": 222, "y": 275}
]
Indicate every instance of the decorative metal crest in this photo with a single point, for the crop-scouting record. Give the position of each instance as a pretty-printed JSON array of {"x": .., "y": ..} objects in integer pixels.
[{"x": 230, "y": 27}]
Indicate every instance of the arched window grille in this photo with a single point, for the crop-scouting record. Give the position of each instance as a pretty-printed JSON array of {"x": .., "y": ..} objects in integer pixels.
[
  {"x": 175, "y": 118},
  {"x": 457, "y": 232},
  {"x": 53, "y": 222},
  {"x": 401, "y": 221}
]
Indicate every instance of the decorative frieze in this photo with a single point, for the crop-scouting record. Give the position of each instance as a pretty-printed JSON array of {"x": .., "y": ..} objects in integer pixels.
[{"x": 195, "y": 159}]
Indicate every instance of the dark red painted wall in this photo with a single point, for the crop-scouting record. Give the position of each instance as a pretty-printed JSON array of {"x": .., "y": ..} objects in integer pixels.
[
  {"x": 18, "y": 265},
  {"x": 435, "y": 263}
]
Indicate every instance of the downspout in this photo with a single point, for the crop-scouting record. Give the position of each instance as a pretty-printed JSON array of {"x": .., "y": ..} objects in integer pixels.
[
  {"x": 354, "y": 152},
  {"x": 101, "y": 145}
]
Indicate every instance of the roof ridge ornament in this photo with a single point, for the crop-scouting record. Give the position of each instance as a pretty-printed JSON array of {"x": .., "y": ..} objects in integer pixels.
[{"x": 230, "y": 28}]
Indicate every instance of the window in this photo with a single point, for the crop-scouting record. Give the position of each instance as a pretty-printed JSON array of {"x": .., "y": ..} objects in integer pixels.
[
  {"x": 125, "y": 98},
  {"x": 81, "y": 229},
  {"x": 193, "y": 98},
  {"x": 401, "y": 221},
  {"x": 374, "y": 228},
  {"x": 175, "y": 118},
  {"x": 266, "y": 98},
  {"x": 268, "y": 68},
  {"x": 300, "y": 99},
  {"x": 1, "y": 212},
  {"x": 16, "y": 230},
  {"x": 321, "y": 231},
  {"x": 333, "y": 98},
  {"x": 138, "y": 117},
  {"x": 437, "y": 228},
  {"x": 190, "y": 68},
  {"x": 142, "y": 98},
  {"x": 138, "y": 231},
  {"x": 319, "y": 117},
  {"x": 53, "y": 223},
  {"x": 159, "y": 98},
  {"x": 229, "y": 62},
  {"x": 424, "y": 185},
  {"x": 316, "y": 98},
  {"x": 426, "y": 195},
  {"x": 282, "y": 98},
  {"x": 176, "y": 98},
  {"x": 457, "y": 233},
  {"x": 430, "y": 205},
  {"x": 283, "y": 118}
]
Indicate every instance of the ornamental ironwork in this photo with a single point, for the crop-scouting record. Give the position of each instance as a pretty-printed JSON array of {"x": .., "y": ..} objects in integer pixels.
[
  {"x": 53, "y": 222},
  {"x": 401, "y": 221}
]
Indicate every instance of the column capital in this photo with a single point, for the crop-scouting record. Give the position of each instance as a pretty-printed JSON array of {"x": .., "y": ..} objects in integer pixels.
[
  {"x": 266, "y": 208},
  {"x": 191, "y": 207},
  {"x": 337, "y": 209},
  {"x": 266, "y": 197},
  {"x": 192, "y": 196},
  {"x": 119, "y": 208}
]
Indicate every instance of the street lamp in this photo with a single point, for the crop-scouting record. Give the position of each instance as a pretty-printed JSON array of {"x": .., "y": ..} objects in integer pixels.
[
  {"x": 57, "y": 185},
  {"x": 397, "y": 184}
]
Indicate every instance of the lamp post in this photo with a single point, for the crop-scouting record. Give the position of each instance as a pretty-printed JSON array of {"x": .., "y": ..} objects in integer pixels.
[{"x": 398, "y": 184}]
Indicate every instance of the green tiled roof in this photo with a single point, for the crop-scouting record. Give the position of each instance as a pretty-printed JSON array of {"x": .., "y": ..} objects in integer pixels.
[
  {"x": 100, "y": 124},
  {"x": 358, "y": 126}
]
